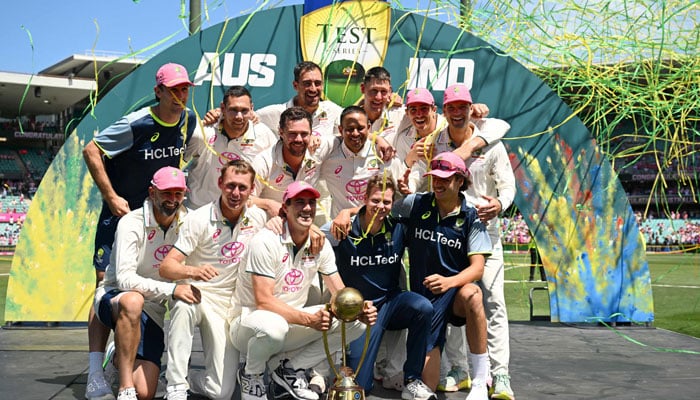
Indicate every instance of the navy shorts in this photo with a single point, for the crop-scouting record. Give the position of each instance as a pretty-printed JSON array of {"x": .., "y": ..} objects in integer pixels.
[
  {"x": 442, "y": 314},
  {"x": 152, "y": 343},
  {"x": 104, "y": 238}
]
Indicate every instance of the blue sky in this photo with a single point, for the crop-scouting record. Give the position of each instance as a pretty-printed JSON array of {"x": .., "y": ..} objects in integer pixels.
[
  {"x": 59, "y": 29},
  {"x": 40, "y": 33}
]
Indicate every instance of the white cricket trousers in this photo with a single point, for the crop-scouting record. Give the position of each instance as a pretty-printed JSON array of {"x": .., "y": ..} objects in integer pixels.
[
  {"x": 220, "y": 357},
  {"x": 266, "y": 336},
  {"x": 495, "y": 307}
]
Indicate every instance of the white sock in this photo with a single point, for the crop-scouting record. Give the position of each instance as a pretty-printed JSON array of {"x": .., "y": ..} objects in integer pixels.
[
  {"x": 95, "y": 364},
  {"x": 480, "y": 365}
]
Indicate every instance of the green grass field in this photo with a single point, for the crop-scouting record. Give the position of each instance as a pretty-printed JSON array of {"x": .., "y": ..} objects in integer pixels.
[{"x": 675, "y": 285}]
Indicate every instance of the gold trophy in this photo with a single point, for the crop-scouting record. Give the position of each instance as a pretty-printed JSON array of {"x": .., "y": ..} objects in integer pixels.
[{"x": 346, "y": 305}]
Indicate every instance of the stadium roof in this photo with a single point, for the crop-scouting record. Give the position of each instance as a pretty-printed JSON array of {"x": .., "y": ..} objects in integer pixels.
[{"x": 61, "y": 85}]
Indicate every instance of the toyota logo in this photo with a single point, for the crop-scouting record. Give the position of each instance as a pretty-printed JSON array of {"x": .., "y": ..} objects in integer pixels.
[
  {"x": 294, "y": 277},
  {"x": 227, "y": 156},
  {"x": 356, "y": 187},
  {"x": 161, "y": 252},
  {"x": 232, "y": 249}
]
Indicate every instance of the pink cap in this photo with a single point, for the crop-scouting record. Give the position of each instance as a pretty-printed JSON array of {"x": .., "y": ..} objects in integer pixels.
[
  {"x": 298, "y": 187},
  {"x": 171, "y": 75},
  {"x": 456, "y": 93},
  {"x": 420, "y": 95},
  {"x": 169, "y": 178},
  {"x": 446, "y": 164}
]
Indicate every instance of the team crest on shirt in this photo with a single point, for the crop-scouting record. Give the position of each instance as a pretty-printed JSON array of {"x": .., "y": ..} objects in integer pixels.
[
  {"x": 309, "y": 168},
  {"x": 246, "y": 227},
  {"x": 373, "y": 164},
  {"x": 308, "y": 259},
  {"x": 100, "y": 255}
]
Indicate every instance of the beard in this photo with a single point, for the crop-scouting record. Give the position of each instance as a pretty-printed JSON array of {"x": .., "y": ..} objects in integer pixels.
[{"x": 168, "y": 209}]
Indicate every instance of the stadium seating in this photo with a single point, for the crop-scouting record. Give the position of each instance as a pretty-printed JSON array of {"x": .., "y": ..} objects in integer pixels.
[
  {"x": 36, "y": 161},
  {"x": 10, "y": 164}
]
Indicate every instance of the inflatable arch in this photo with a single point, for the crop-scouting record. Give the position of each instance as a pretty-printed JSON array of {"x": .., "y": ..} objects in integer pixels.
[{"x": 587, "y": 233}]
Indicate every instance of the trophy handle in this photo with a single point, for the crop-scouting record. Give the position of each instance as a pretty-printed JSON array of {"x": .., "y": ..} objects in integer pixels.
[
  {"x": 328, "y": 352},
  {"x": 364, "y": 350}
]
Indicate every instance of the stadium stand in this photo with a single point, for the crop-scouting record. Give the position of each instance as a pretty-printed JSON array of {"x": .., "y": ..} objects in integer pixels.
[
  {"x": 11, "y": 165},
  {"x": 660, "y": 234},
  {"x": 36, "y": 161}
]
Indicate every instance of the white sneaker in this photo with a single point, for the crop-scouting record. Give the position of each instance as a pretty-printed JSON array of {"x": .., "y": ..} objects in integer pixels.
[
  {"x": 97, "y": 388},
  {"x": 379, "y": 369},
  {"x": 317, "y": 382},
  {"x": 479, "y": 391},
  {"x": 293, "y": 381},
  {"x": 457, "y": 379},
  {"x": 393, "y": 382},
  {"x": 176, "y": 392},
  {"x": 417, "y": 390},
  {"x": 501, "y": 388},
  {"x": 252, "y": 386},
  {"x": 127, "y": 394}
]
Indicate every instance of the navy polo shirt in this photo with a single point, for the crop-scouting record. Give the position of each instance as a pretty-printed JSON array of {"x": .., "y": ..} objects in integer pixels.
[
  {"x": 439, "y": 246},
  {"x": 138, "y": 145},
  {"x": 371, "y": 263}
]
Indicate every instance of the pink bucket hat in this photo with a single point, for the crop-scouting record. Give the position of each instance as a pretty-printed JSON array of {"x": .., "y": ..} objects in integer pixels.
[
  {"x": 169, "y": 178},
  {"x": 446, "y": 164},
  {"x": 420, "y": 95},
  {"x": 171, "y": 75},
  {"x": 298, "y": 187},
  {"x": 456, "y": 93}
]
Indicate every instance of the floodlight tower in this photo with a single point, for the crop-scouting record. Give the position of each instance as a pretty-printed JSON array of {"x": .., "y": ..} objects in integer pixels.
[
  {"x": 195, "y": 16},
  {"x": 465, "y": 12}
]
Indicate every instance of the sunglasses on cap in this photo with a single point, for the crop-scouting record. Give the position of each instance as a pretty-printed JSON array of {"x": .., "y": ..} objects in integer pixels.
[{"x": 444, "y": 165}]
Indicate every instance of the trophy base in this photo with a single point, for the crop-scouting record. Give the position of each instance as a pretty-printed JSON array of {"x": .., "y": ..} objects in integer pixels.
[{"x": 346, "y": 393}]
